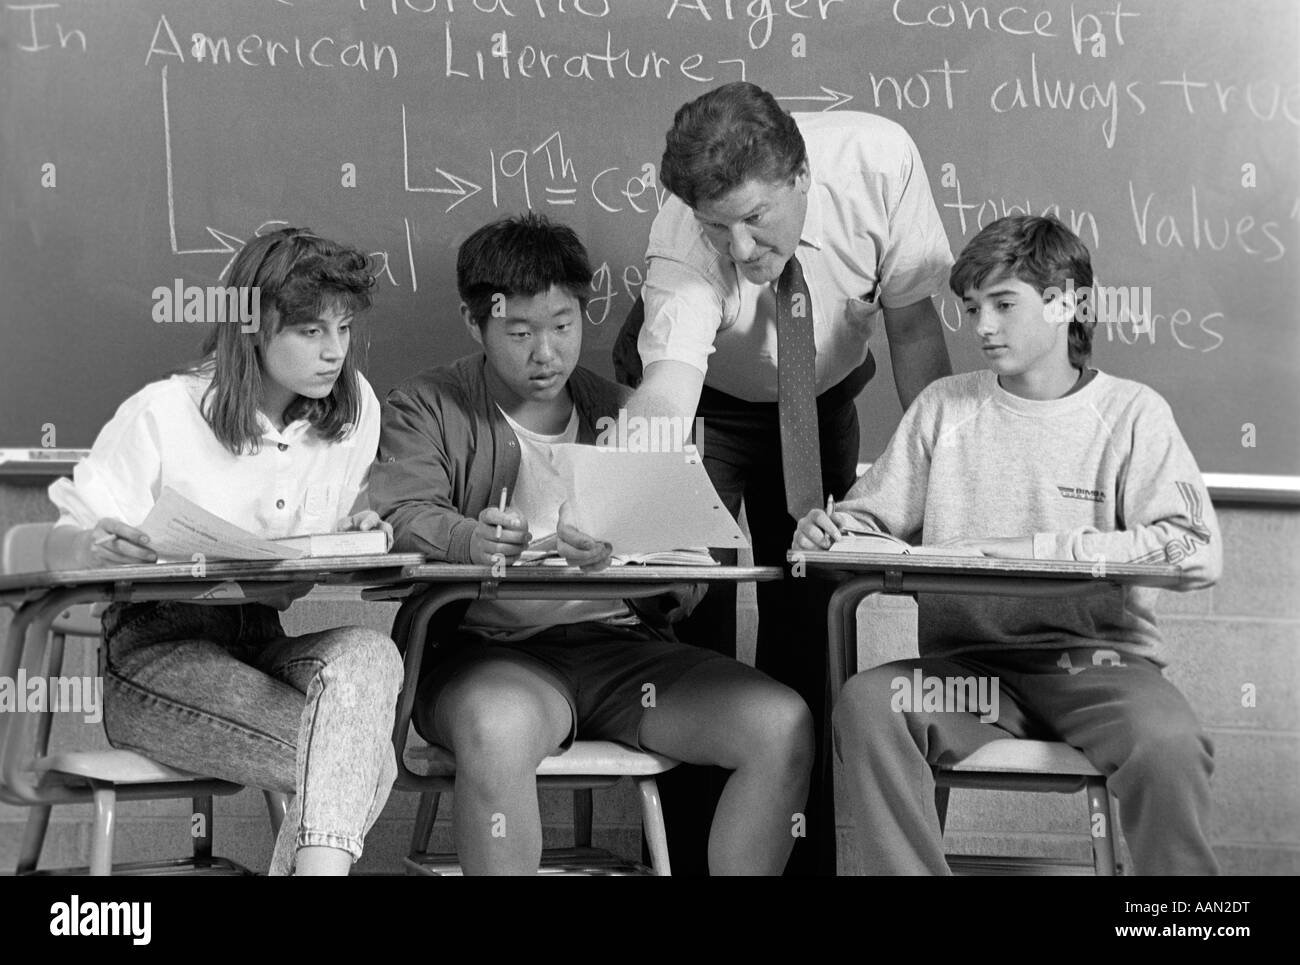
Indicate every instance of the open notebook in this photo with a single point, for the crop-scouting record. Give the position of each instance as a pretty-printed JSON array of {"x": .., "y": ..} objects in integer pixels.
[
  {"x": 543, "y": 552},
  {"x": 874, "y": 541}
]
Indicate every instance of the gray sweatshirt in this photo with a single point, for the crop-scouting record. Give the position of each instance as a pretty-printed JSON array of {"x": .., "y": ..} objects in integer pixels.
[{"x": 1101, "y": 474}]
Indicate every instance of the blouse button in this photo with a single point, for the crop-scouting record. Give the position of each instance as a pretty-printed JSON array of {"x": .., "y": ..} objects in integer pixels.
[
  {"x": 279, "y": 504},
  {"x": 282, "y": 446}
]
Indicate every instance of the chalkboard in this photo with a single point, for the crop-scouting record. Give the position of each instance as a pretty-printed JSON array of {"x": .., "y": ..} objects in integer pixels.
[{"x": 141, "y": 142}]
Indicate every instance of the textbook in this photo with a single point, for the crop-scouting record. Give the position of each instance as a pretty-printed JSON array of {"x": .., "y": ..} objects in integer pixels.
[
  {"x": 179, "y": 529},
  {"x": 372, "y": 542},
  {"x": 874, "y": 541}
]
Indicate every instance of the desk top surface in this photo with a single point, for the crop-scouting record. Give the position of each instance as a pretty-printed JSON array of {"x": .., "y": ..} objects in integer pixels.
[
  {"x": 319, "y": 569},
  {"x": 392, "y": 568},
  {"x": 1140, "y": 574},
  {"x": 628, "y": 573}
]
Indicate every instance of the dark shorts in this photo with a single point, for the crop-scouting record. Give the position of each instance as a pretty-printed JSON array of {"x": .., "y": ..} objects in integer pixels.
[{"x": 608, "y": 674}]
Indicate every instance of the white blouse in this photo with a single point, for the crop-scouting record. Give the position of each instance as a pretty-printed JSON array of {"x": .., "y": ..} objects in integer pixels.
[{"x": 295, "y": 484}]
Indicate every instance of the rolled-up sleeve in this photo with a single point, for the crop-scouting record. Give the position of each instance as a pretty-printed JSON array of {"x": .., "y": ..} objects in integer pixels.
[
  {"x": 683, "y": 305},
  {"x": 917, "y": 260}
]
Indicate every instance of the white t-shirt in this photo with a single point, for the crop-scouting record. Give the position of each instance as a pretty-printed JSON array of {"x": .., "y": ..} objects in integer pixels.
[{"x": 538, "y": 494}]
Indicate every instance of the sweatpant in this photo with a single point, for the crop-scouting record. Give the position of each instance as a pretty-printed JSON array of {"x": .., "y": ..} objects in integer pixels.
[{"x": 1131, "y": 724}]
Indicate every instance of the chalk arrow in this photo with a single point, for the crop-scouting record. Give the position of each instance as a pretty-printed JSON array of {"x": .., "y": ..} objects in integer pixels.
[
  {"x": 464, "y": 188},
  {"x": 232, "y": 246},
  {"x": 835, "y": 98},
  {"x": 221, "y": 238}
]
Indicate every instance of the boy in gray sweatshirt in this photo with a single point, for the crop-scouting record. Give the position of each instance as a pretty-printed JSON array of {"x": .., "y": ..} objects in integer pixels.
[{"x": 1038, "y": 456}]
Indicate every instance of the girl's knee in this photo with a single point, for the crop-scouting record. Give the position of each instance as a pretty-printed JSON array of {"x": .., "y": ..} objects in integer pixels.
[{"x": 368, "y": 655}]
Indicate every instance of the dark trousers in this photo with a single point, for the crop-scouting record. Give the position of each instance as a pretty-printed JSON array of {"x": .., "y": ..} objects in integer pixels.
[{"x": 742, "y": 453}]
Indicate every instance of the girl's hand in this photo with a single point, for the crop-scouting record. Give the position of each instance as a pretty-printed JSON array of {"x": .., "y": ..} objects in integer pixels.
[
  {"x": 113, "y": 543},
  {"x": 498, "y": 533},
  {"x": 364, "y": 522},
  {"x": 579, "y": 549}
]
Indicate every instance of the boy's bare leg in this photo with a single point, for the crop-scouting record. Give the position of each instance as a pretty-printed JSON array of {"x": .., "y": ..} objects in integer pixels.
[
  {"x": 500, "y": 720},
  {"x": 728, "y": 714}
]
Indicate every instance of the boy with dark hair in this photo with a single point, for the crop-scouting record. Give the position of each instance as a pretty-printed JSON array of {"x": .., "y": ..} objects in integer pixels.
[
  {"x": 520, "y": 680},
  {"x": 1041, "y": 457}
]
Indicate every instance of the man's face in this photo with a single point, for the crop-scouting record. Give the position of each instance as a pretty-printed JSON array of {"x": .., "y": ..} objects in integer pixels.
[
  {"x": 532, "y": 344},
  {"x": 758, "y": 224},
  {"x": 1021, "y": 335}
]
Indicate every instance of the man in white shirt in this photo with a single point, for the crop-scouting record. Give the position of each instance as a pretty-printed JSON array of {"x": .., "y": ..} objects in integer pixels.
[{"x": 803, "y": 232}]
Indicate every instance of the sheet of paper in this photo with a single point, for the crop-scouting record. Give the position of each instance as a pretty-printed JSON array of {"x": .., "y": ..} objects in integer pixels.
[
  {"x": 645, "y": 502},
  {"x": 178, "y": 528}
]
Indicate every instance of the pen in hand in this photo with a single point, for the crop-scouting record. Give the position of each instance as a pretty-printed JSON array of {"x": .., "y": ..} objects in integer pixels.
[
  {"x": 830, "y": 511},
  {"x": 502, "y": 507}
]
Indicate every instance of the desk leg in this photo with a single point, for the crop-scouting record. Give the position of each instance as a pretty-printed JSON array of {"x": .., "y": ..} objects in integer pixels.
[
  {"x": 842, "y": 655},
  {"x": 415, "y": 625},
  {"x": 842, "y": 629}
]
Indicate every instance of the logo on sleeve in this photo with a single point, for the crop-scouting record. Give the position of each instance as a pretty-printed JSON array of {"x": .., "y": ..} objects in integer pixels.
[{"x": 1078, "y": 492}]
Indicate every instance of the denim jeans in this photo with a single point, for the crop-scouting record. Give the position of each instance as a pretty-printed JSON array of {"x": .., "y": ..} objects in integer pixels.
[{"x": 221, "y": 691}]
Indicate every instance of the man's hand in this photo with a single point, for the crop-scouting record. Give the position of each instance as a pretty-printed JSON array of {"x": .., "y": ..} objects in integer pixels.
[
  {"x": 364, "y": 522},
  {"x": 1000, "y": 547},
  {"x": 579, "y": 549},
  {"x": 498, "y": 533},
  {"x": 817, "y": 531}
]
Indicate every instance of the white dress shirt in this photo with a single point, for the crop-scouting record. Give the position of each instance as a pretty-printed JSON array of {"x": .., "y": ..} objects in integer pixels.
[
  {"x": 872, "y": 237},
  {"x": 296, "y": 484}
]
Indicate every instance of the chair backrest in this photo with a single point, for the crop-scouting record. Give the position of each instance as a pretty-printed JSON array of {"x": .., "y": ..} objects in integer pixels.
[{"x": 24, "y": 552}]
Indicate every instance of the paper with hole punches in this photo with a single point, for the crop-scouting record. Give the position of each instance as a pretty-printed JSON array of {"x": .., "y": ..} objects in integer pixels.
[{"x": 644, "y": 502}]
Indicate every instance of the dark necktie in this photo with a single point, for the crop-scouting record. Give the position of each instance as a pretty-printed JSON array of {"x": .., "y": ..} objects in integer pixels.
[{"x": 796, "y": 382}]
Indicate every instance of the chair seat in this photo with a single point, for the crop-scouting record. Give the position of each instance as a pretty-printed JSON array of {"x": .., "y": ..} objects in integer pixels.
[
  {"x": 112, "y": 766},
  {"x": 583, "y": 758},
  {"x": 1013, "y": 755}
]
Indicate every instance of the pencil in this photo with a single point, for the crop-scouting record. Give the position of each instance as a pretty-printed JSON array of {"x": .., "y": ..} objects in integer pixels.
[{"x": 502, "y": 507}]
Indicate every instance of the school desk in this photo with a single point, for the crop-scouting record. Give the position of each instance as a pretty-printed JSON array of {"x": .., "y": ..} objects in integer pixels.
[
  {"x": 432, "y": 586},
  {"x": 865, "y": 574},
  {"x": 39, "y": 597}
]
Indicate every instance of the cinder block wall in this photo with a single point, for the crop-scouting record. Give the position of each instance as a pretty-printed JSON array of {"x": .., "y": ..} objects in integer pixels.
[{"x": 1246, "y": 631}]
